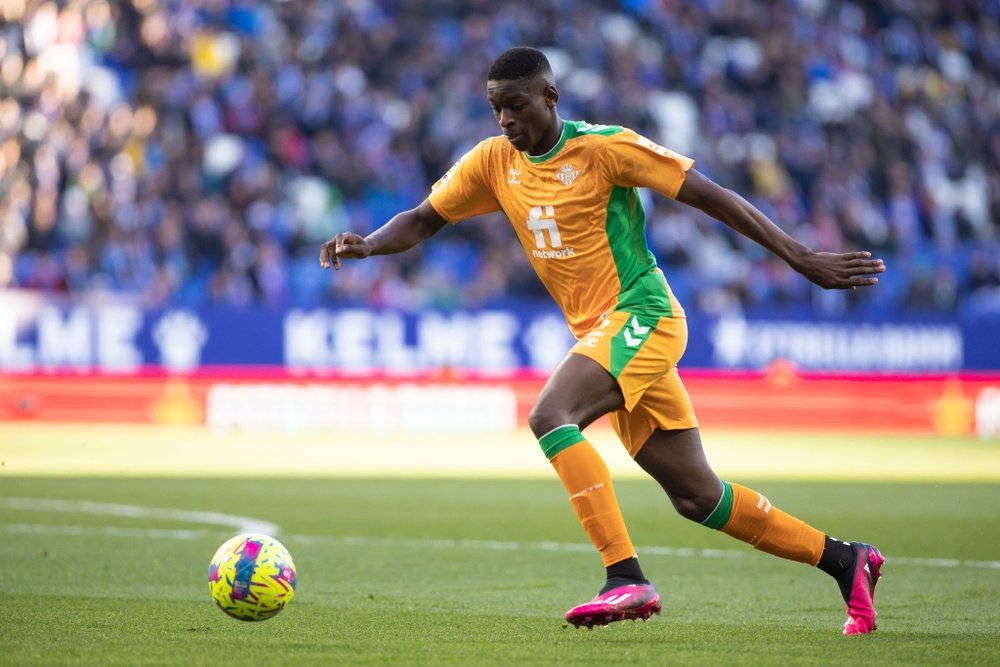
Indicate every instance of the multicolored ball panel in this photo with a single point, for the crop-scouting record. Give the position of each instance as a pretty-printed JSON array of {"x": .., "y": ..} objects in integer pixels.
[{"x": 252, "y": 577}]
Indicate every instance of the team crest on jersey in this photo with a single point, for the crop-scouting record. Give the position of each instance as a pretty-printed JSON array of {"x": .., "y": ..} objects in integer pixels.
[
  {"x": 567, "y": 174},
  {"x": 514, "y": 176}
]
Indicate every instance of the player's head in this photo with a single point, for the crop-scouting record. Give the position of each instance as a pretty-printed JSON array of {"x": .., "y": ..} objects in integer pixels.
[{"x": 522, "y": 92}]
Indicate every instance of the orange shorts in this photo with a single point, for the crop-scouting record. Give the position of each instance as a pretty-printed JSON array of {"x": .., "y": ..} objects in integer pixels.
[{"x": 641, "y": 353}]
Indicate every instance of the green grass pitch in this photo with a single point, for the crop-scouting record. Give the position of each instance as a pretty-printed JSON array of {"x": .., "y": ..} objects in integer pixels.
[{"x": 479, "y": 571}]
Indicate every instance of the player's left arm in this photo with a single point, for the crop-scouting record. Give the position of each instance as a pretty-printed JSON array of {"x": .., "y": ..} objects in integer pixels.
[{"x": 826, "y": 269}]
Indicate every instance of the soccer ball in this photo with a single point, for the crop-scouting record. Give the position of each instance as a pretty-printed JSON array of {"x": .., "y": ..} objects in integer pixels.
[{"x": 252, "y": 577}]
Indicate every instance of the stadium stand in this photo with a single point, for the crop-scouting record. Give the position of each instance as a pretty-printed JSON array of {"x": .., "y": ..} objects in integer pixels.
[{"x": 198, "y": 151}]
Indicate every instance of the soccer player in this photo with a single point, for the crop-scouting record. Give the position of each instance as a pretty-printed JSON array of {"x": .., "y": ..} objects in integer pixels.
[{"x": 569, "y": 190}]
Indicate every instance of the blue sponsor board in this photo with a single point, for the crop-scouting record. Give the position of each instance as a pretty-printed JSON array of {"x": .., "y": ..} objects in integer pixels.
[{"x": 116, "y": 336}]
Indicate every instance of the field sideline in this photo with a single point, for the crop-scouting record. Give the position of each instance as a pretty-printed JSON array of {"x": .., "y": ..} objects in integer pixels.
[{"x": 146, "y": 450}]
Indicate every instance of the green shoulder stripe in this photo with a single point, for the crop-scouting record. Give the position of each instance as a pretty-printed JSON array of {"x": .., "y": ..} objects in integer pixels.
[
  {"x": 572, "y": 129},
  {"x": 583, "y": 127}
]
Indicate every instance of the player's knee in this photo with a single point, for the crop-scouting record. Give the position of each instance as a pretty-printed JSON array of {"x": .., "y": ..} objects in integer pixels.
[
  {"x": 694, "y": 507},
  {"x": 542, "y": 420}
]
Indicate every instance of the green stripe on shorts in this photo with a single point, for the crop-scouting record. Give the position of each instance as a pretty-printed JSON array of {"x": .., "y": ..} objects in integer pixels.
[{"x": 629, "y": 340}]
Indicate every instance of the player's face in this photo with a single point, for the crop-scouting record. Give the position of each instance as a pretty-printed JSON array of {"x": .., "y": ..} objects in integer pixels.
[{"x": 525, "y": 109}]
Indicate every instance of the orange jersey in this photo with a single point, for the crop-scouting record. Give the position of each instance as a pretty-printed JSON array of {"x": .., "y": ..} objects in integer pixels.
[{"x": 577, "y": 214}]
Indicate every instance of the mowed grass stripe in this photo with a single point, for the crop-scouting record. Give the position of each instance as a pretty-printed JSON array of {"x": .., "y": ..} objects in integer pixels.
[
  {"x": 157, "y": 451},
  {"x": 427, "y": 543}
]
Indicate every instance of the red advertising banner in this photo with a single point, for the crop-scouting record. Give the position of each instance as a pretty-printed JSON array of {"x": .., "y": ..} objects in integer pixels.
[{"x": 778, "y": 398}]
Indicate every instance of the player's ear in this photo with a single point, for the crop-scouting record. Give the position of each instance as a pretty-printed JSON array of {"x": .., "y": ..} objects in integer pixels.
[{"x": 551, "y": 95}]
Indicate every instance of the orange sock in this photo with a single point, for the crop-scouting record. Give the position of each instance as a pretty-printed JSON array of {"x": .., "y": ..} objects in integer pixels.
[
  {"x": 747, "y": 515},
  {"x": 588, "y": 482}
]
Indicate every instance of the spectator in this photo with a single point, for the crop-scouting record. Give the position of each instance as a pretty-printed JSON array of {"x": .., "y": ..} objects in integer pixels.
[{"x": 190, "y": 151}]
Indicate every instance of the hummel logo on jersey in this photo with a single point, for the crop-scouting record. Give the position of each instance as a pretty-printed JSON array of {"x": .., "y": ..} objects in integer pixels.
[
  {"x": 567, "y": 174},
  {"x": 514, "y": 176}
]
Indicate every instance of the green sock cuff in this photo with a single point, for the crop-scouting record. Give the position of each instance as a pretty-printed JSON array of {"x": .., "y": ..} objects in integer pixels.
[
  {"x": 559, "y": 439},
  {"x": 720, "y": 515}
]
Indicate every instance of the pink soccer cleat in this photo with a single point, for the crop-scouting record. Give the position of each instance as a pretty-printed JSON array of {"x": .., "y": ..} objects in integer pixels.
[
  {"x": 861, "y": 603},
  {"x": 633, "y": 601}
]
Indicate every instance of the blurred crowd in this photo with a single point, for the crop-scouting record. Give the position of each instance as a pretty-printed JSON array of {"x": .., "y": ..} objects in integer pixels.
[{"x": 199, "y": 151}]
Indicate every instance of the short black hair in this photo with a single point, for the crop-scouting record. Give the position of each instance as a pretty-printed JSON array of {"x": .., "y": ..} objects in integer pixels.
[{"x": 520, "y": 62}]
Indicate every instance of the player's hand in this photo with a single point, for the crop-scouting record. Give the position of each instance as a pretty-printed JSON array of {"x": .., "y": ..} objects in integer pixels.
[
  {"x": 347, "y": 245},
  {"x": 841, "y": 270}
]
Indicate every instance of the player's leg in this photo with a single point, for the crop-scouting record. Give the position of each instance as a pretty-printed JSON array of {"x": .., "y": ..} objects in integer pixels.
[
  {"x": 659, "y": 429},
  {"x": 676, "y": 459},
  {"x": 578, "y": 392}
]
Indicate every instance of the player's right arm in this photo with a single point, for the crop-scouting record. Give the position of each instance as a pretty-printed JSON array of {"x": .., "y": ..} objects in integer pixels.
[{"x": 402, "y": 232}]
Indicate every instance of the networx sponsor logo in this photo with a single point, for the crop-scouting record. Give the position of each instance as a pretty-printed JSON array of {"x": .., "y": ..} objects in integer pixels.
[
  {"x": 744, "y": 343},
  {"x": 541, "y": 222},
  {"x": 553, "y": 254}
]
